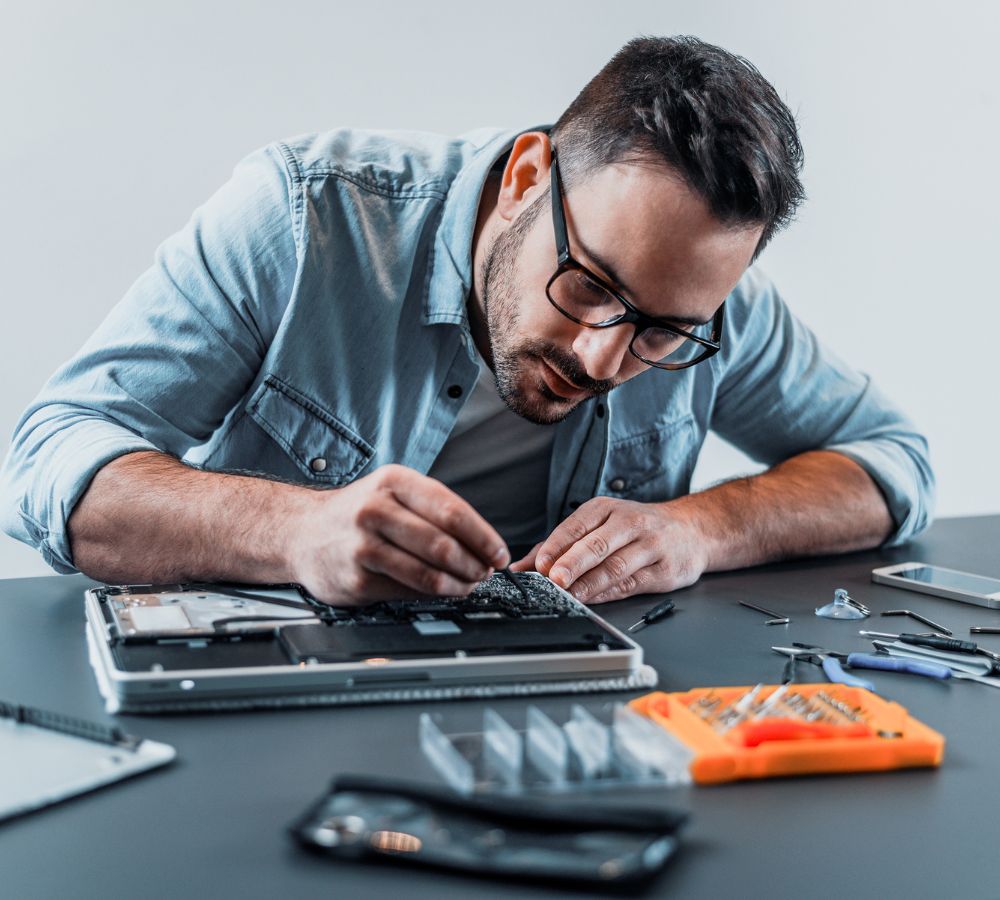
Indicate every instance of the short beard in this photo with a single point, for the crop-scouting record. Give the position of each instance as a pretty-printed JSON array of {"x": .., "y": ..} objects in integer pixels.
[{"x": 500, "y": 302}]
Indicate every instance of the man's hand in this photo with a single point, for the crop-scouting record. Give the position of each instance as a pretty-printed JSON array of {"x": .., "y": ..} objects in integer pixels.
[
  {"x": 149, "y": 518},
  {"x": 609, "y": 549},
  {"x": 817, "y": 502},
  {"x": 393, "y": 533}
]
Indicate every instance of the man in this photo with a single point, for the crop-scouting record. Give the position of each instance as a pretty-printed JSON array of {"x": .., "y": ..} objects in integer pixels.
[{"x": 375, "y": 364}]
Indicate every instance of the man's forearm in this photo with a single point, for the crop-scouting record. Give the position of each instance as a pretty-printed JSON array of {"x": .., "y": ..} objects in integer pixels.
[
  {"x": 815, "y": 503},
  {"x": 392, "y": 533},
  {"x": 146, "y": 517}
]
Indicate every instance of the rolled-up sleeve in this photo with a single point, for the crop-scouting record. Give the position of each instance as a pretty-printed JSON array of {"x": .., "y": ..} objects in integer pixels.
[
  {"x": 169, "y": 362},
  {"x": 781, "y": 392}
]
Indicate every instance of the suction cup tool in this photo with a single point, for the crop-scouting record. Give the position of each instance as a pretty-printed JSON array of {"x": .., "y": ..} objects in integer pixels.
[{"x": 843, "y": 606}]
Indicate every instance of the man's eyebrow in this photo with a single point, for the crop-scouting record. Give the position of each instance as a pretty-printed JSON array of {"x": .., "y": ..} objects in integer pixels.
[{"x": 612, "y": 276}]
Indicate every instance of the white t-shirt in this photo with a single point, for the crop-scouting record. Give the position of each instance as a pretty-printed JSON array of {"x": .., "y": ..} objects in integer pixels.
[{"x": 498, "y": 462}]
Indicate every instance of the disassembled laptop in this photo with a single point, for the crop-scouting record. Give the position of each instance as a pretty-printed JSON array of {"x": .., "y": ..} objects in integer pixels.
[{"x": 166, "y": 647}]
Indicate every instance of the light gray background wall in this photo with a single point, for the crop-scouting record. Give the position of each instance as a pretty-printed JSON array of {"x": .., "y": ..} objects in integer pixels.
[{"x": 118, "y": 119}]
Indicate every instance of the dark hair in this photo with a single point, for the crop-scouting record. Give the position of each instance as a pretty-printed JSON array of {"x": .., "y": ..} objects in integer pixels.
[{"x": 707, "y": 113}]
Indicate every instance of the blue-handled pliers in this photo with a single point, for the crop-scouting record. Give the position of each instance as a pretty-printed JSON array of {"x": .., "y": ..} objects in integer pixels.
[
  {"x": 832, "y": 664},
  {"x": 886, "y": 663}
]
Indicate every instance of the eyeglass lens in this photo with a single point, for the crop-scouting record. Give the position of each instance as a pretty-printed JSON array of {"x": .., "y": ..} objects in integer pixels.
[{"x": 583, "y": 299}]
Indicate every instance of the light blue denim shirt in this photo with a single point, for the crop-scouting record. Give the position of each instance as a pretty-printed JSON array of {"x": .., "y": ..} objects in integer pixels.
[{"x": 309, "y": 323}]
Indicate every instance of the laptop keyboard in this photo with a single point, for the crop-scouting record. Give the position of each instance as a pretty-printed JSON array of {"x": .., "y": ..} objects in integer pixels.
[{"x": 496, "y": 598}]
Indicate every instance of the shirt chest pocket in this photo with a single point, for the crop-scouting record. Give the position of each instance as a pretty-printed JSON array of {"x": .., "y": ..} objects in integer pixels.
[
  {"x": 653, "y": 466},
  {"x": 321, "y": 446}
]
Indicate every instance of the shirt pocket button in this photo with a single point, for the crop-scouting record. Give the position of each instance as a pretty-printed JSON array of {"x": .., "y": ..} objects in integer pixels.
[
  {"x": 318, "y": 464},
  {"x": 617, "y": 484}
]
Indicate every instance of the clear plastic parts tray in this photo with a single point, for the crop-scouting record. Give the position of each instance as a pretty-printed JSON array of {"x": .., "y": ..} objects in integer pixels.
[{"x": 594, "y": 747}]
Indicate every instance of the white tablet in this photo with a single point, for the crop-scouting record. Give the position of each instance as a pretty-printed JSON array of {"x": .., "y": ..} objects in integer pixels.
[{"x": 951, "y": 584}]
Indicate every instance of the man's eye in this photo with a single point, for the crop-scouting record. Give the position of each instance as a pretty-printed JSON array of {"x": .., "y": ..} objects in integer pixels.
[
  {"x": 585, "y": 290},
  {"x": 660, "y": 338}
]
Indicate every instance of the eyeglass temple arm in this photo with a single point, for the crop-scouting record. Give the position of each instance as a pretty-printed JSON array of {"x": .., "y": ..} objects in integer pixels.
[{"x": 558, "y": 216}]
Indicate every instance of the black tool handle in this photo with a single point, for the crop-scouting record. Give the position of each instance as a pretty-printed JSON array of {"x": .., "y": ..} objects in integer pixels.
[
  {"x": 660, "y": 611},
  {"x": 940, "y": 643}
]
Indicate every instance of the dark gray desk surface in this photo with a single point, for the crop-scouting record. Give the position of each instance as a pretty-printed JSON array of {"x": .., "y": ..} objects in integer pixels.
[{"x": 213, "y": 824}]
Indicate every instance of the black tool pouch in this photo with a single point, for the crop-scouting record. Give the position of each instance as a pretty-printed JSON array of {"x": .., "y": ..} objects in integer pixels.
[{"x": 597, "y": 845}]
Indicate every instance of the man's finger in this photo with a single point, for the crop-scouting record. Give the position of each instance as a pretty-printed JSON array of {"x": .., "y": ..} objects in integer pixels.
[
  {"x": 414, "y": 573},
  {"x": 617, "y": 570},
  {"x": 572, "y": 529},
  {"x": 637, "y": 584},
  {"x": 584, "y": 550},
  {"x": 527, "y": 563},
  {"x": 442, "y": 507},
  {"x": 418, "y": 537}
]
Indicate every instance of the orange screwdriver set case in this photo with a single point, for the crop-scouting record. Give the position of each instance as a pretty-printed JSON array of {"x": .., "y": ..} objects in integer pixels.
[{"x": 796, "y": 729}]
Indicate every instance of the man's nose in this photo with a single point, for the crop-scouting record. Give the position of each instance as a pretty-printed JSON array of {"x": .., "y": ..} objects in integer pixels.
[{"x": 602, "y": 350}]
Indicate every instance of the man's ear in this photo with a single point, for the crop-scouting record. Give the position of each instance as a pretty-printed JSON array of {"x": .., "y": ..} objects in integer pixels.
[{"x": 526, "y": 174}]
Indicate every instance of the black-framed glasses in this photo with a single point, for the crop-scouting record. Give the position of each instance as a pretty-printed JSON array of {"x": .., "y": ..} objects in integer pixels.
[{"x": 589, "y": 300}]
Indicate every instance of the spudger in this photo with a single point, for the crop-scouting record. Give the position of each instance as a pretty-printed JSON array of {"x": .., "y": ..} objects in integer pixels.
[
  {"x": 660, "y": 611},
  {"x": 517, "y": 583}
]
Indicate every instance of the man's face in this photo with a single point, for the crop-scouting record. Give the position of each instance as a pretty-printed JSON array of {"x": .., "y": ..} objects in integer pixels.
[{"x": 643, "y": 231}]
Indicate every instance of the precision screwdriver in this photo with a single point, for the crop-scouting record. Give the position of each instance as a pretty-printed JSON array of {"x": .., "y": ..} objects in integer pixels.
[{"x": 660, "y": 611}]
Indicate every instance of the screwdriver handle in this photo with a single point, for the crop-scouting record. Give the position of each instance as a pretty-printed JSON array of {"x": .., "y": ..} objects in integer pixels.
[
  {"x": 660, "y": 611},
  {"x": 940, "y": 643}
]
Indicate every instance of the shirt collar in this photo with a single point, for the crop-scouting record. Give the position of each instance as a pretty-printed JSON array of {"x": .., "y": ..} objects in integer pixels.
[{"x": 450, "y": 279}]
